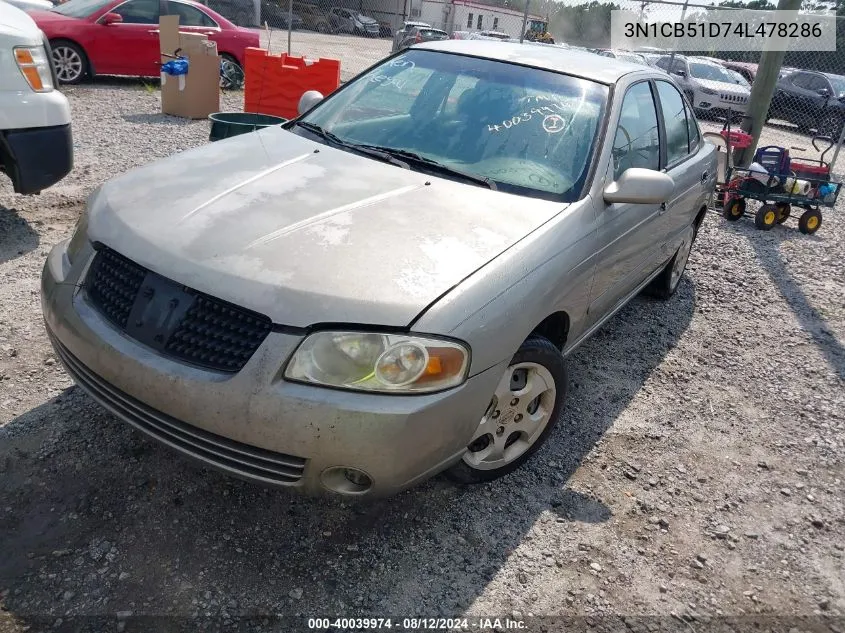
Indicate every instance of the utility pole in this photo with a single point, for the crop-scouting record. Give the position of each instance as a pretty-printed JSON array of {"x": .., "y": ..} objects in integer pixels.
[
  {"x": 524, "y": 22},
  {"x": 762, "y": 91},
  {"x": 675, "y": 48}
]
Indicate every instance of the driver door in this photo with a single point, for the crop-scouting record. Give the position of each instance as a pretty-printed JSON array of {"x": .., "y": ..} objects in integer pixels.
[{"x": 628, "y": 241}]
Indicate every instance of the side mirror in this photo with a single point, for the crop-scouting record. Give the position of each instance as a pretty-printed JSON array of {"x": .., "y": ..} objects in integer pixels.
[
  {"x": 640, "y": 186},
  {"x": 309, "y": 100},
  {"x": 112, "y": 18},
  {"x": 823, "y": 92},
  {"x": 680, "y": 73}
]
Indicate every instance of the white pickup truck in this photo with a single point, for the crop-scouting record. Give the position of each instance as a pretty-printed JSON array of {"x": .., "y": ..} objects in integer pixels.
[{"x": 36, "y": 147}]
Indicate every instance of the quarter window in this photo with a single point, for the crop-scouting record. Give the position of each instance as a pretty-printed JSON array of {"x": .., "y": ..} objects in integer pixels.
[
  {"x": 675, "y": 120},
  {"x": 636, "y": 143},
  {"x": 139, "y": 11},
  {"x": 190, "y": 16}
]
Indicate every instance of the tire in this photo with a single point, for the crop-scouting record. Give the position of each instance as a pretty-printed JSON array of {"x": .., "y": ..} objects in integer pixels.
[
  {"x": 831, "y": 125},
  {"x": 542, "y": 362},
  {"x": 322, "y": 27},
  {"x": 70, "y": 62},
  {"x": 810, "y": 221},
  {"x": 734, "y": 209},
  {"x": 667, "y": 282},
  {"x": 231, "y": 73},
  {"x": 766, "y": 217},
  {"x": 784, "y": 211}
]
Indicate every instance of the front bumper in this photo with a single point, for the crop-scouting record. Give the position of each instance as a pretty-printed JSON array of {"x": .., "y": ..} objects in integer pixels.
[
  {"x": 254, "y": 424},
  {"x": 714, "y": 103},
  {"x": 37, "y": 158}
]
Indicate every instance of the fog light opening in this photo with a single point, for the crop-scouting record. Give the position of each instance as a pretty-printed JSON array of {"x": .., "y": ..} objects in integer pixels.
[{"x": 346, "y": 480}]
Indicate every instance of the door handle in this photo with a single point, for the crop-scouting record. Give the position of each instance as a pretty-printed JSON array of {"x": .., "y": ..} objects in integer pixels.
[
  {"x": 153, "y": 32},
  {"x": 704, "y": 177},
  {"x": 662, "y": 208}
]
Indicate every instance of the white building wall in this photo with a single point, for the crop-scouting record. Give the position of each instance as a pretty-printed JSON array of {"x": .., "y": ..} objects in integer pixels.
[{"x": 452, "y": 17}]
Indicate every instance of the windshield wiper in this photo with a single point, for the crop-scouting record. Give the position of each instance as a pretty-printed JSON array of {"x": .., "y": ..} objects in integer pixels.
[
  {"x": 361, "y": 149},
  {"x": 433, "y": 165}
]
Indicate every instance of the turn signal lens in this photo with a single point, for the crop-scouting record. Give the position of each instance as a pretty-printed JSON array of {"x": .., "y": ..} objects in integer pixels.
[{"x": 35, "y": 67}]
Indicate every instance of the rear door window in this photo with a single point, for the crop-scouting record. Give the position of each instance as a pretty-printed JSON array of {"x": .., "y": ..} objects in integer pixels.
[{"x": 675, "y": 122}]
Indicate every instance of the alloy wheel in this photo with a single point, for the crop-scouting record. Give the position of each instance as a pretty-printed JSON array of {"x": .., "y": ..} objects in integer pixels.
[
  {"x": 69, "y": 64},
  {"x": 680, "y": 264},
  {"x": 519, "y": 412}
]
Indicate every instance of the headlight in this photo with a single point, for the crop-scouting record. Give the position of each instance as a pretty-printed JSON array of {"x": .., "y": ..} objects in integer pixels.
[
  {"x": 79, "y": 238},
  {"x": 366, "y": 361},
  {"x": 35, "y": 67},
  {"x": 707, "y": 91}
]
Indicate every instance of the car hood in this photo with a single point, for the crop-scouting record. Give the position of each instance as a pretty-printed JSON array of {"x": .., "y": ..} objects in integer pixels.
[
  {"x": 363, "y": 19},
  {"x": 306, "y": 233},
  {"x": 723, "y": 86},
  {"x": 49, "y": 17}
]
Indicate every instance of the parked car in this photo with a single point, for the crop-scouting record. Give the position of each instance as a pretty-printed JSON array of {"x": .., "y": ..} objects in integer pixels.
[
  {"x": 420, "y": 34},
  {"x": 634, "y": 58},
  {"x": 385, "y": 28},
  {"x": 403, "y": 32},
  {"x": 708, "y": 86},
  {"x": 351, "y": 21},
  {"x": 460, "y": 35},
  {"x": 243, "y": 14},
  {"x": 116, "y": 37},
  {"x": 747, "y": 70},
  {"x": 313, "y": 17},
  {"x": 351, "y": 302},
  {"x": 811, "y": 100},
  {"x": 499, "y": 35},
  {"x": 36, "y": 148},
  {"x": 739, "y": 78},
  {"x": 30, "y": 5}
]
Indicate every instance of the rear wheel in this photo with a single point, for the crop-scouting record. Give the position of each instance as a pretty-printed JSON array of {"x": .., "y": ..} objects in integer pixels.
[
  {"x": 231, "y": 73},
  {"x": 70, "y": 61},
  {"x": 784, "y": 211},
  {"x": 667, "y": 282},
  {"x": 734, "y": 209},
  {"x": 322, "y": 27},
  {"x": 521, "y": 415}
]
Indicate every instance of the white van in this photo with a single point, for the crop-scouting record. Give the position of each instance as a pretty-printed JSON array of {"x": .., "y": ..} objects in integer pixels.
[{"x": 36, "y": 148}]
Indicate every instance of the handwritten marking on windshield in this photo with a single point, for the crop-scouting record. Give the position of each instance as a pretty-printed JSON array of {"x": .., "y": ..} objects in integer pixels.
[
  {"x": 386, "y": 80},
  {"x": 401, "y": 63},
  {"x": 544, "y": 111},
  {"x": 554, "y": 123}
]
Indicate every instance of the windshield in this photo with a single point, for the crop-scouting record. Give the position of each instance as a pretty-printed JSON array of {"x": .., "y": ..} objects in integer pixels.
[
  {"x": 529, "y": 131},
  {"x": 80, "y": 8},
  {"x": 630, "y": 57},
  {"x": 838, "y": 84},
  {"x": 742, "y": 81},
  {"x": 712, "y": 72}
]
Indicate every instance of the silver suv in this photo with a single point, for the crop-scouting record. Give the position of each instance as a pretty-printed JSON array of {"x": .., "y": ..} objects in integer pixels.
[{"x": 708, "y": 86}]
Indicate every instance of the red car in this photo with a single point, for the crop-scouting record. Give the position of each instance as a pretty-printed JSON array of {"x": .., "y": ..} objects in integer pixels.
[{"x": 120, "y": 37}]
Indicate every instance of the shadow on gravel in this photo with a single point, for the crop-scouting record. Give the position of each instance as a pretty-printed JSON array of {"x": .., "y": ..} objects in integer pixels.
[
  {"x": 811, "y": 321},
  {"x": 17, "y": 237},
  {"x": 97, "y": 520}
]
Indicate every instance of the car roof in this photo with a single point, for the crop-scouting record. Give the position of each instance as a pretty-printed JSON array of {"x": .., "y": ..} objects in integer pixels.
[
  {"x": 606, "y": 70},
  {"x": 833, "y": 75}
]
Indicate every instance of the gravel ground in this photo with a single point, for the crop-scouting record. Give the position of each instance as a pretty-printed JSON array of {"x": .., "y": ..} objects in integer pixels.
[{"x": 697, "y": 473}]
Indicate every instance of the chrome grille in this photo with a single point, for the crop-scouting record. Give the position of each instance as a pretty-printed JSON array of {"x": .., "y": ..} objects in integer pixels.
[
  {"x": 733, "y": 98},
  {"x": 204, "y": 331},
  {"x": 243, "y": 460}
]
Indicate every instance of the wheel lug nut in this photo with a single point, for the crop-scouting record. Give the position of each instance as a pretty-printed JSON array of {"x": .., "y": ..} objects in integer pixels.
[
  {"x": 518, "y": 417},
  {"x": 500, "y": 430},
  {"x": 514, "y": 402},
  {"x": 496, "y": 414}
]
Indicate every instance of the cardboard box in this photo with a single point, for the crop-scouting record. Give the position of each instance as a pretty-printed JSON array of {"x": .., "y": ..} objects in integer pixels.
[{"x": 197, "y": 94}]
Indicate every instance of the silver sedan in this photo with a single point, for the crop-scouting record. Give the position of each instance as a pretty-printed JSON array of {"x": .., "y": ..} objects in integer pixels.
[{"x": 388, "y": 286}]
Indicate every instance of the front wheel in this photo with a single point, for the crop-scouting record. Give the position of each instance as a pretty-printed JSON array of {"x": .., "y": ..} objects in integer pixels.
[
  {"x": 70, "y": 62},
  {"x": 766, "y": 217},
  {"x": 831, "y": 126},
  {"x": 810, "y": 221},
  {"x": 734, "y": 209},
  {"x": 521, "y": 415}
]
